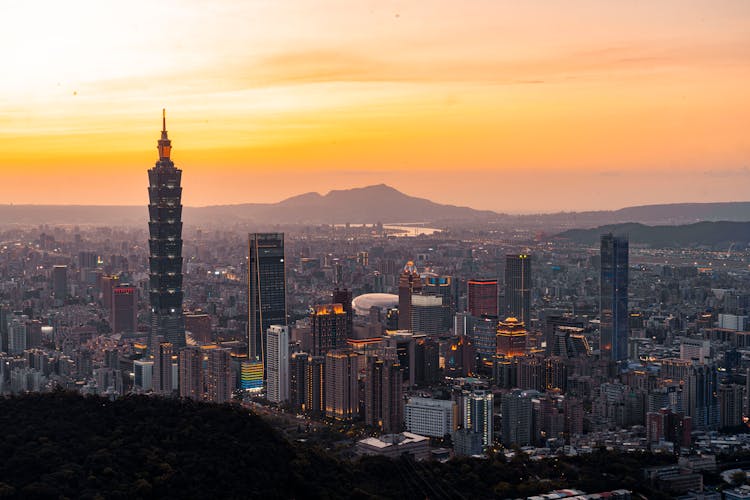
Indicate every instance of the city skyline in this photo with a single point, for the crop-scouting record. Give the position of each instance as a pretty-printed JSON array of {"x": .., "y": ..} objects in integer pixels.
[{"x": 591, "y": 100}]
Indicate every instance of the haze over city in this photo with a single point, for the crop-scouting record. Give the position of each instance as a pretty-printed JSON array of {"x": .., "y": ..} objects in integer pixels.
[{"x": 600, "y": 106}]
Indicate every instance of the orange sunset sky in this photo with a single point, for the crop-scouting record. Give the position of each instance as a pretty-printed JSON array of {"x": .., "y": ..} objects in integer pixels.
[{"x": 517, "y": 106}]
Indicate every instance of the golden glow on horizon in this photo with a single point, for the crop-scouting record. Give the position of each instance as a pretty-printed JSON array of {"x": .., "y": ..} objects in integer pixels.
[{"x": 271, "y": 99}]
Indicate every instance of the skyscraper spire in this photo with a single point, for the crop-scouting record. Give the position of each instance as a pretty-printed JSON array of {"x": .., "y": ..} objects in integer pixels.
[
  {"x": 165, "y": 145},
  {"x": 165, "y": 246}
]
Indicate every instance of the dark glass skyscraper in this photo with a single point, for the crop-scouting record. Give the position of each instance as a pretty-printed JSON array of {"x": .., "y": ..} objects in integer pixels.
[
  {"x": 165, "y": 246},
  {"x": 266, "y": 284},
  {"x": 613, "y": 299},
  {"x": 518, "y": 287}
]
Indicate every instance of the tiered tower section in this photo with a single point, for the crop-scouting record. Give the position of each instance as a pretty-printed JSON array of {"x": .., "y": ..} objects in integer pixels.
[{"x": 165, "y": 246}]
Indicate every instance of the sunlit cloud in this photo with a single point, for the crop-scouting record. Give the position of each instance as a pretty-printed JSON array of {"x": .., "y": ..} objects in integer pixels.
[{"x": 261, "y": 96}]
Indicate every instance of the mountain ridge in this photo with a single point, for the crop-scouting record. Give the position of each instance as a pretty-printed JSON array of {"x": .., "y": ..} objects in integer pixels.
[
  {"x": 719, "y": 234},
  {"x": 370, "y": 204}
]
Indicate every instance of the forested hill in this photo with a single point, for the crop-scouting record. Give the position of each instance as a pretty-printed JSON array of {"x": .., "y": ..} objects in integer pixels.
[
  {"x": 62, "y": 445},
  {"x": 718, "y": 235}
]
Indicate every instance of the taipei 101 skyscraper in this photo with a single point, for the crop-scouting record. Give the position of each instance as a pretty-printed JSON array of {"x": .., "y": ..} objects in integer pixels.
[{"x": 165, "y": 246}]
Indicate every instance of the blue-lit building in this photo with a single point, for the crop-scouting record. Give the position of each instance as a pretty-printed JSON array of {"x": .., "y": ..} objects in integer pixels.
[
  {"x": 251, "y": 375},
  {"x": 613, "y": 299}
]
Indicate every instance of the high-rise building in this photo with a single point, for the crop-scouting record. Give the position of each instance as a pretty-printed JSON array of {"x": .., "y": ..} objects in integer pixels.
[
  {"x": 4, "y": 316},
  {"x": 88, "y": 260},
  {"x": 426, "y": 361},
  {"x": 123, "y": 315},
  {"x": 143, "y": 375},
  {"x": 342, "y": 384},
  {"x": 162, "y": 379},
  {"x": 665, "y": 425},
  {"x": 517, "y": 418},
  {"x": 409, "y": 283},
  {"x": 445, "y": 287},
  {"x": 482, "y": 297},
  {"x": 266, "y": 284},
  {"x": 191, "y": 373},
  {"x": 107, "y": 285},
  {"x": 478, "y": 415},
  {"x": 298, "y": 379},
  {"x": 459, "y": 357},
  {"x": 430, "y": 417},
  {"x": 702, "y": 387},
  {"x": 60, "y": 282},
  {"x": 343, "y": 296},
  {"x": 613, "y": 298},
  {"x": 518, "y": 287},
  {"x": 427, "y": 314},
  {"x": 315, "y": 390},
  {"x": 511, "y": 338},
  {"x": 251, "y": 375},
  {"x": 730, "y": 399},
  {"x": 401, "y": 346},
  {"x": 328, "y": 324},
  {"x": 219, "y": 381},
  {"x": 384, "y": 405},
  {"x": 277, "y": 363},
  {"x": 17, "y": 334},
  {"x": 484, "y": 339},
  {"x": 165, "y": 246}
]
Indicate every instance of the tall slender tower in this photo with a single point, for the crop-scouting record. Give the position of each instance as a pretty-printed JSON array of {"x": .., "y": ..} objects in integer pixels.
[
  {"x": 518, "y": 287},
  {"x": 613, "y": 299},
  {"x": 165, "y": 246},
  {"x": 266, "y": 285}
]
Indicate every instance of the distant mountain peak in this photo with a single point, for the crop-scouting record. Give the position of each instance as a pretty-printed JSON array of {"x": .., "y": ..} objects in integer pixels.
[{"x": 373, "y": 189}]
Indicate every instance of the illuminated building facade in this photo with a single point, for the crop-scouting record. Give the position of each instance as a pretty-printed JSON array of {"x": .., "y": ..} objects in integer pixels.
[
  {"x": 482, "y": 297},
  {"x": 518, "y": 287},
  {"x": 315, "y": 389},
  {"x": 613, "y": 299},
  {"x": 511, "y": 338},
  {"x": 484, "y": 340},
  {"x": 266, "y": 283},
  {"x": 328, "y": 325},
  {"x": 123, "y": 315},
  {"x": 342, "y": 384},
  {"x": 478, "y": 415},
  {"x": 165, "y": 246},
  {"x": 251, "y": 375},
  {"x": 459, "y": 357}
]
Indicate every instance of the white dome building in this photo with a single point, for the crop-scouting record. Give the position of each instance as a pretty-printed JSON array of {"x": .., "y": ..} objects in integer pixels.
[{"x": 363, "y": 303}]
